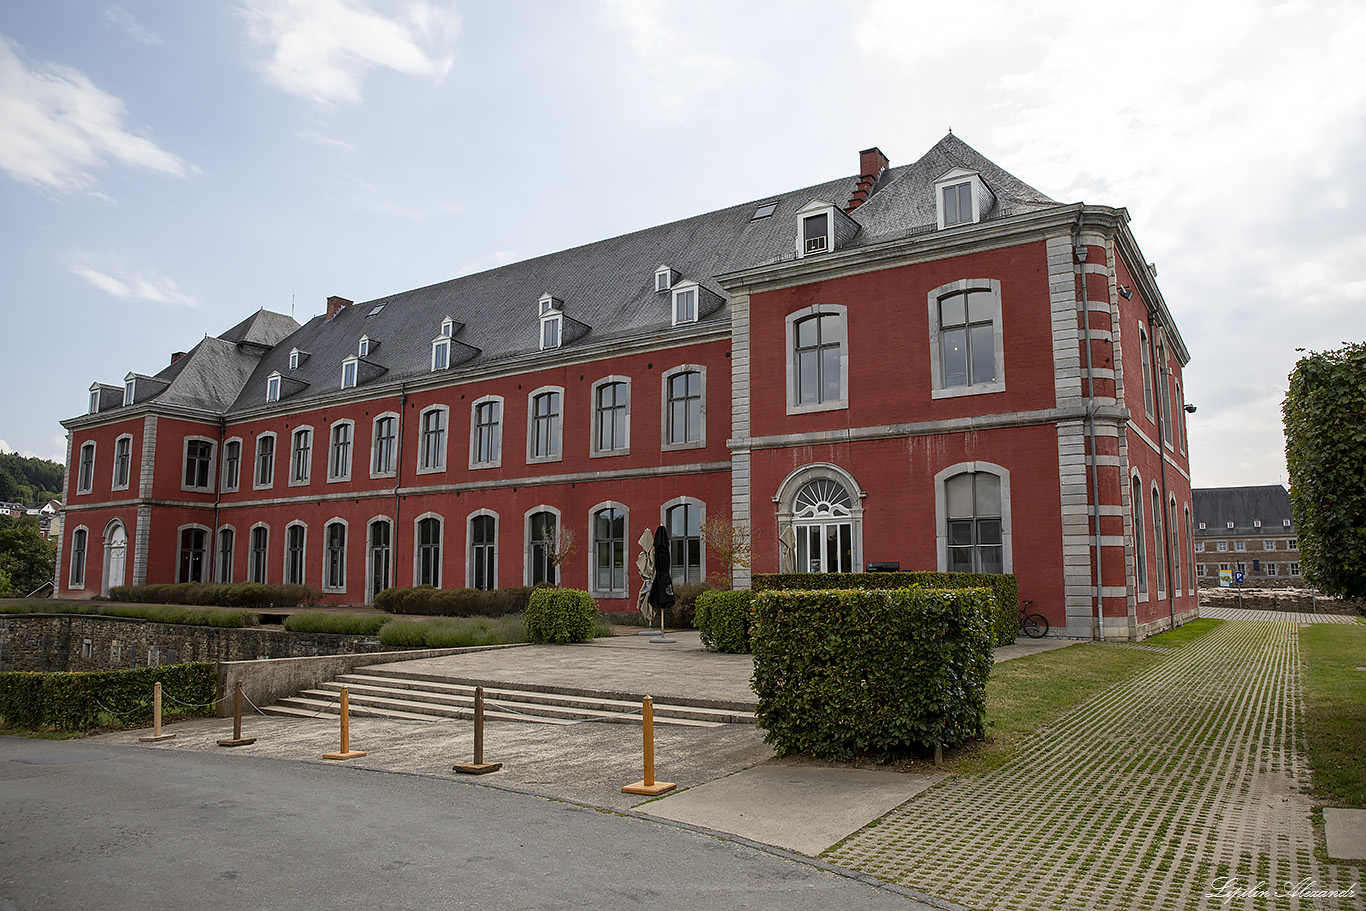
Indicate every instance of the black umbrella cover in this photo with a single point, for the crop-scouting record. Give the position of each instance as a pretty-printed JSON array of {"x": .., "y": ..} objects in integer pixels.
[{"x": 662, "y": 591}]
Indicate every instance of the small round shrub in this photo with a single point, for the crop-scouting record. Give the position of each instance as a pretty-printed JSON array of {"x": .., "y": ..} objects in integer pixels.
[
  {"x": 682, "y": 614},
  {"x": 560, "y": 615},
  {"x": 723, "y": 619}
]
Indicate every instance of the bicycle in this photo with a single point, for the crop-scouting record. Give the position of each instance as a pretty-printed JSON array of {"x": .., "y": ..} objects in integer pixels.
[{"x": 1035, "y": 626}]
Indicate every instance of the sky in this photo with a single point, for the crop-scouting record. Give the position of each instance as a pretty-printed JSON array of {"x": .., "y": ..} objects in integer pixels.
[{"x": 166, "y": 168}]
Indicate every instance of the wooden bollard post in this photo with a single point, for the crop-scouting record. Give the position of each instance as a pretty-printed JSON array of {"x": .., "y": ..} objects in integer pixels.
[
  {"x": 479, "y": 766},
  {"x": 648, "y": 785},
  {"x": 156, "y": 717},
  {"x": 237, "y": 739},
  {"x": 346, "y": 752}
]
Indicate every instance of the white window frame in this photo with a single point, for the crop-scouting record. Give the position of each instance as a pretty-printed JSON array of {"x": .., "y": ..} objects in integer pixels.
[
  {"x": 679, "y": 291},
  {"x": 365, "y": 345},
  {"x": 938, "y": 389},
  {"x": 1146, "y": 366},
  {"x": 332, "y": 450},
  {"x": 210, "y": 542},
  {"x": 85, "y": 468},
  {"x": 1137, "y": 509},
  {"x": 447, "y": 329},
  {"x": 350, "y": 371},
  {"x": 469, "y": 547},
  {"x": 627, "y": 542},
  {"x": 130, "y": 390},
  {"x": 804, "y": 248},
  {"x": 374, "y": 451},
  {"x": 256, "y": 482},
  {"x": 212, "y": 466},
  {"x": 422, "y": 467},
  {"x": 128, "y": 476},
  {"x": 303, "y": 554},
  {"x": 440, "y": 547},
  {"x": 497, "y": 456},
  {"x": 596, "y": 422},
  {"x": 528, "y": 552},
  {"x": 1160, "y": 538},
  {"x": 442, "y": 362},
  {"x": 665, "y": 277},
  {"x": 72, "y": 582},
  {"x": 294, "y": 359},
  {"x": 294, "y": 461},
  {"x": 550, "y": 311},
  {"x": 666, "y": 443},
  {"x": 223, "y": 468},
  {"x": 273, "y": 388},
  {"x": 794, "y": 404},
  {"x": 369, "y": 556},
  {"x": 981, "y": 196},
  {"x": 557, "y": 432},
  {"x": 93, "y": 404},
  {"x": 701, "y": 524},
  {"x": 326, "y": 564},
  {"x": 941, "y": 511},
  {"x": 222, "y": 571},
  {"x": 263, "y": 562},
  {"x": 789, "y": 523}
]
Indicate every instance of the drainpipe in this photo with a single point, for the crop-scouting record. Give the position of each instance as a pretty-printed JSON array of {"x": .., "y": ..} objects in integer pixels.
[
  {"x": 1078, "y": 258},
  {"x": 398, "y": 482},
  {"x": 218, "y": 499},
  {"x": 1160, "y": 398}
]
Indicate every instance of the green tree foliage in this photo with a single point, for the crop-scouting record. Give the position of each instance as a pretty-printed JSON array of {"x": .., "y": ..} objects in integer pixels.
[
  {"x": 1325, "y": 452},
  {"x": 29, "y": 480},
  {"x": 28, "y": 557}
]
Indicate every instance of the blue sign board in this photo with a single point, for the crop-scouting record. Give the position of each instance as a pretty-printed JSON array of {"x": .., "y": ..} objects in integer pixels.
[{"x": 1238, "y": 577}]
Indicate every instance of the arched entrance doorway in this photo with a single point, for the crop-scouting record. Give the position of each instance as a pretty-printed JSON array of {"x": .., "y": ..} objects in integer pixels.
[
  {"x": 820, "y": 518},
  {"x": 115, "y": 557}
]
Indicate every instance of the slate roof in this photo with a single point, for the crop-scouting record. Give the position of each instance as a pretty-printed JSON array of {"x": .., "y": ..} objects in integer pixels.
[
  {"x": 1217, "y": 506},
  {"x": 607, "y": 286}
]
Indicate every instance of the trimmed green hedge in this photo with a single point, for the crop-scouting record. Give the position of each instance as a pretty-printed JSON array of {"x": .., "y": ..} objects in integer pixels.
[
  {"x": 561, "y": 615},
  {"x": 75, "y": 701},
  {"x": 1005, "y": 620},
  {"x": 842, "y": 673},
  {"x": 339, "y": 624},
  {"x": 429, "y": 601},
  {"x": 723, "y": 619},
  {"x": 236, "y": 594},
  {"x": 154, "y": 613}
]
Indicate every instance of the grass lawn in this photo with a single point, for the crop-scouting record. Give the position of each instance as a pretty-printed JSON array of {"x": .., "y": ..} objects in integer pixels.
[
  {"x": 1029, "y": 693},
  {"x": 1332, "y": 657}
]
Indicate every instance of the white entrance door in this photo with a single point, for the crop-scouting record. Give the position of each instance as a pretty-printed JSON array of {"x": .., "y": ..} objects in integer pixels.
[{"x": 115, "y": 559}]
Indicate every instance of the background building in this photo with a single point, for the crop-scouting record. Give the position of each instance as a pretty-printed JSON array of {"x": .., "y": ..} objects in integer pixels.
[
  {"x": 1249, "y": 529},
  {"x": 933, "y": 365}
]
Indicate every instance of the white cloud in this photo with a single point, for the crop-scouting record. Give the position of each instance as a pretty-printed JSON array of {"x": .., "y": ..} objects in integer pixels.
[
  {"x": 120, "y": 18},
  {"x": 118, "y": 280},
  {"x": 322, "y": 49},
  {"x": 57, "y": 127}
]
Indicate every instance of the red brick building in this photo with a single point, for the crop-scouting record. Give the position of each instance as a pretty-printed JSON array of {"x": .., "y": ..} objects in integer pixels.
[{"x": 933, "y": 365}]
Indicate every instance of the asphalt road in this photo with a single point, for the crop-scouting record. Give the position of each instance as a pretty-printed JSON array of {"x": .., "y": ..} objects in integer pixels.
[{"x": 102, "y": 826}]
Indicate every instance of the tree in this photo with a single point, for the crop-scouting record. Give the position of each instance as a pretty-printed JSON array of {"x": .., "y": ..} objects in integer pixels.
[
  {"x": 730, "y": 542},
  {"x": 559, "y": 543},
  {"x": 28, "y": 557},
  {"x": 1325, "y": 452}
]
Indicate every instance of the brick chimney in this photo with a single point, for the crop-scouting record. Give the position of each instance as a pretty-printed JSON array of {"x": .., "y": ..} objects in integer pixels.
[
  {"x": 871, "y": 164},
  {"x": 176, "y": 355},
  {"x": 336, "y": 305}
]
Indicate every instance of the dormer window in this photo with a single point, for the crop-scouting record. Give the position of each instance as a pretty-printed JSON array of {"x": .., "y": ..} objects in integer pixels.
[
  {"x": 94, "y": 407},
  {"x": 365, "y": 345},
  {"x": 447, "y": 328},
  {"x": 1285, "y": 523},
  {"x": 441, "y": 353},
  {"x": 820, "y": 229},
  {"x": 665, "y": 278},
  {"x": 297, "y": 357},
  {"x": 816, "y": 233},
  {"x": 1230, "y": 525},
  {"x": 552, "y": 321},
  {"x": 349, "y": 372},
  {"x": 273, "y": 387},
  {"x": 685, "y": 303},
  {"x": 129, "y": 390},
  {"x": 1256, "y": 523},
  {"x": 962, "y": 198}
]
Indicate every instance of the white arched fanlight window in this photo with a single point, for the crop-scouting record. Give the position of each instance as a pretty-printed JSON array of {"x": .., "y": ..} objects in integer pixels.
[{"x": 820, "y": 516}]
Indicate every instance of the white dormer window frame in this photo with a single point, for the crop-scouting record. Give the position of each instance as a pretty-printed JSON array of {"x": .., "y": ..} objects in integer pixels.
[
  {"x": 552, "y": 322},
  {"x": 94, "y": 405},
  {"x": 295, "y": 358},
  {"x": 129, "y": 390},
  {"x": 811, "y": 241},
  {"x": 350, "y": 369},
  {"x": 273, "y": 387},
  {"x": 364, "y": 345},
  {"x": 1256, "y": 523},
  {"x": 961, "y": 198},
  {"x": 686, "y": 301},
  {"x": 664, "y": 279},
  {"x": 447, "y": 328},
  {"x": 441, "y": 353}
]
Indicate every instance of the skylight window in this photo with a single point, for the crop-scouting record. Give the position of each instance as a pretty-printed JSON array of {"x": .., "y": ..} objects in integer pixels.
[
  {"x": 764, "y": 211},
  {"x": 375, "y": 311}
]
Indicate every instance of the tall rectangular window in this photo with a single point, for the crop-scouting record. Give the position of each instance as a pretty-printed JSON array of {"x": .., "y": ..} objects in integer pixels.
[
  {"x": 265, "y": 460},
  {"x": 198, "y": 460},
  {"x": 79, "y": 540},
  {"x": 301, "y": 459},
  {"x": 85, "y": 478},
  {"x": 225, "y": 543},
  {"x": 542, "y": 545},
  {"x": 685, "y": 542},
  {"x": 340, "y": 463},
  {"x": 193, "y": 543},
  {"x": 433, "y": 452},
  {"x": 610, "y": 417},
  {"x": 232, "y": 464},
  {"x": 487, "y": 420},
  {"x": 1140, "y": 541},
  {"x": 958, "y": 205},
  {"x": 816, "y": 233},
  {"x": 483, "y": 552},
  {"x": 973, "y": 500},
  {"x": 609, "y": 546},
  {"x": 295, "y": 536},
  {"x": 967, "y": 338},
  {"x": 429, "y": 552},
  {"x": 545, "y": 426},
  {"x": 336, "y": 556},
  {"x": 685, "y": 408},
  {"x": 817, "y": 356},
  {"x": 260, "y": 541},
  {"x": 385, "y": 446},
  {"x": 380, "y": 557},
  {"x": 123, "y": 461}
]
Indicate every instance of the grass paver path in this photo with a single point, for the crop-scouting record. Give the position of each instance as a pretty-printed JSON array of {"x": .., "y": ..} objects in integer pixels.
[{"x": 1151, "y": 795}]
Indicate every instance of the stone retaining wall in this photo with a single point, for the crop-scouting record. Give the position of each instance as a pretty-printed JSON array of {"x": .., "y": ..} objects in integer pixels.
[
  {"x": 1279, "y": 599},
  {"x": 77, "y": 642}
]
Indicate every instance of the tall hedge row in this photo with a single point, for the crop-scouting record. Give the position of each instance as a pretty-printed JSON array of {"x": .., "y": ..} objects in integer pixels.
[
  {"x": 841, "y": 673},
  {"x": 74, "y": 701},
  {"x": 429, "y": 601},
  {"x": 1004, "y": 588},
  {"x": 236, "y": 594},
  {"x": 722, "y": 617}
]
